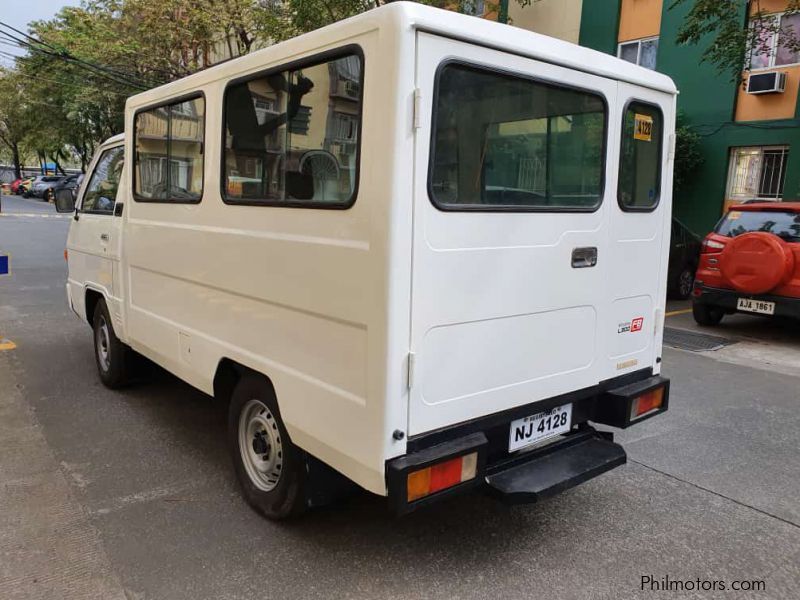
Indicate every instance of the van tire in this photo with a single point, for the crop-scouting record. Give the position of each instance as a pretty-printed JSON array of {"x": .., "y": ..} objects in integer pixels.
[
  {"x": 256, "y": 432},
  {"x": 112, "y": 357},
  {"x": 705, "y": 314}
]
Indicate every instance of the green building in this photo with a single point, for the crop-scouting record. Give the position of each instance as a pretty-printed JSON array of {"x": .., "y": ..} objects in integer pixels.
[{"x": 750, "y": 141}]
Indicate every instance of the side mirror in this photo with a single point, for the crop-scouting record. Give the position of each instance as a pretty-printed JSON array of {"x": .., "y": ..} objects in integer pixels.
[{"x": 65, "y": 203}]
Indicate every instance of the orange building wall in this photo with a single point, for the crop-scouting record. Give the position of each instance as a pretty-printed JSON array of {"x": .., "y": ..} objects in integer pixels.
[
  {"x": 639, "y": 19},
  {"x": 761, "y": 107},
  {"x": 764, "y": 107}
]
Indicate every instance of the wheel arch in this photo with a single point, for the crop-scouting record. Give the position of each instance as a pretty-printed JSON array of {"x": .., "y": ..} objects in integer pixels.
[
  {"x": 229, "y": 372},
  {"x": 91, "y": 298}
]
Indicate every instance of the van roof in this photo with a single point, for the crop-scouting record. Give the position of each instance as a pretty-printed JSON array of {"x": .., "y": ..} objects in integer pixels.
[{"x": 404, "y": 16}]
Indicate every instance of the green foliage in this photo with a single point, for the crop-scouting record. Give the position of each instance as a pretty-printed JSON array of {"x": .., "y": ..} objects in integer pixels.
[
  {"x": 688, "y": 156},
  {"x": 68, "y": 92},
  {"x": 728, "y": 35}
]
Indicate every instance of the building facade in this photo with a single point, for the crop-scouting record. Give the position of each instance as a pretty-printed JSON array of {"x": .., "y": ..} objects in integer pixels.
[{"x": 750, "y": 142}]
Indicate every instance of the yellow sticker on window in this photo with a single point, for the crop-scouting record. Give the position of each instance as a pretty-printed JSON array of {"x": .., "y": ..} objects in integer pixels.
[
  {"x": 643, "y": 127},
  {"x": 734, "y": 214}
]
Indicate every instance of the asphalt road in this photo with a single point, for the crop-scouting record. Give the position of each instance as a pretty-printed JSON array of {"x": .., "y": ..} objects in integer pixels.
[{"x": 131, "y": 495}]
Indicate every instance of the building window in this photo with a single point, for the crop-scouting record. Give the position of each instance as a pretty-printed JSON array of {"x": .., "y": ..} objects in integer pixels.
[
  {"x": 640, "y": 52},
  {"x": 291, "y": 137},
  {"x": 503, "y": 142},
  {"x": 775, "y": 42},
  {"x": 757, "y": 173},
  {"x": 475, "y": 8}
]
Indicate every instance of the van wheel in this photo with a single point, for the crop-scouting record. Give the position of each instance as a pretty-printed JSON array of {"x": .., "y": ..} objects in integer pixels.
[
  {"x": 707, "y": 315},
  {"x": 270, "y": 468},
  {"x": 112, "y": 356}
]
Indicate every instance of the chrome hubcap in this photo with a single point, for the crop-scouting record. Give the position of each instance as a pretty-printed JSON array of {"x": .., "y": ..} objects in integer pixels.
[
  {"x": 260, "y": 445},
  {"x": 103, "y": 343}
]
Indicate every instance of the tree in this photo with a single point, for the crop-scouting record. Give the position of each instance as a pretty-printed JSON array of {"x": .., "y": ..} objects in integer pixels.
[
  {"x": 12, "y": 121},
  {"x": 729, "y": 35},
  {"x": 688, "y": 157}
]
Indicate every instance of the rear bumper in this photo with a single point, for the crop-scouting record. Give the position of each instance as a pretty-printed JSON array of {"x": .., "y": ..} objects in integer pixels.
[
  {"x": 726, "y": 299},
  {"x": 529, "y": 474}
]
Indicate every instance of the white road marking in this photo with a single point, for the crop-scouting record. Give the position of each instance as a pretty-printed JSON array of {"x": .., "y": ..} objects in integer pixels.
[{"x": 40, "y": 215}]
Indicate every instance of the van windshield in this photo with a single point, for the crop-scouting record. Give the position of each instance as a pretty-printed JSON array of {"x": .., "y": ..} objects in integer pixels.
[
  {"x": 507, "y": 142},
  {"x": 785, "y": 225}
]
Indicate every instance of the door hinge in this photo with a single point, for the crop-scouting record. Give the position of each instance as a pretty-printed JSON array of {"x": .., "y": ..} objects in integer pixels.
[
  {"x": 417, "y": 108},
  {"x": 410, "y": 364},
  {"x": 671, "y": 155}
]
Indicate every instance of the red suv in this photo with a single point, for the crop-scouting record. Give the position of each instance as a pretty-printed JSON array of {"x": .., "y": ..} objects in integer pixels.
[{"x": 750, "y": 263}]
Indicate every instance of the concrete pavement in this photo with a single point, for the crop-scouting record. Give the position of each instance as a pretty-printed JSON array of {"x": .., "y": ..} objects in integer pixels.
[{"x": 136, "y": 494}]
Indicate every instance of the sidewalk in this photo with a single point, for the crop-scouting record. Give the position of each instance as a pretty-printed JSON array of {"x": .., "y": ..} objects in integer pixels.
[{"x": 48, "y": 549}]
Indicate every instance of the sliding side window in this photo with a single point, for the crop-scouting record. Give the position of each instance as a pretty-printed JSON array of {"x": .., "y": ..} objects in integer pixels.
[
  {"x": 640, "y": 157},
  {"x": 504, "y": 142},
  {"x": 169, "y": 152},
  {"x": 291, "y": 137}
]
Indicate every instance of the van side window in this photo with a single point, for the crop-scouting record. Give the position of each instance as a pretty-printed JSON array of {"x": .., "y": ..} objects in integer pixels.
[
  {"x": 640, "y": 157},
  {"x": 169, "y": 152},
  {"x": 502, "y": 142},
  {"x": 101, "y": 192},
  {"x": 292, "y": 137}
]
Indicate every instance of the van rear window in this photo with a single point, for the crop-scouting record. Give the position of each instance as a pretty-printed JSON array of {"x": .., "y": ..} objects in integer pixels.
[
  {"x": 783, "y": 224},
  {"x": 639, "y": 184},
  {"x": 504, "y": 142}
]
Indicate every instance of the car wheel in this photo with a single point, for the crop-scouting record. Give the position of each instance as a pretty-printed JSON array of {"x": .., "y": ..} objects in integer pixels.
[
  {"x": 684, "y": 283},
  {"x": 705, "y": 314},
  {"x": 270, "y": 468},
  {"x": 111, "y": 355}
]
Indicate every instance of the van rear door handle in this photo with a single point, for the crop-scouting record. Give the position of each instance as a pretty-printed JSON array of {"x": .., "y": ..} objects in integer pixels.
[
  {"x": 104, "y": 237},
  {"x": 584, "y": 257}
]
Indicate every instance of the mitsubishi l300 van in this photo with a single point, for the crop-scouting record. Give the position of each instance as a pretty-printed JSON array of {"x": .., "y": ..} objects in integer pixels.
[{"x": 415, "y": 251}]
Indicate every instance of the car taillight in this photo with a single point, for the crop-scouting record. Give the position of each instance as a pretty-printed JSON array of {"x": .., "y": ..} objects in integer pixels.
[
  {"x": 440, "y": 476},
  {"x": 646, "y": 402},
  {"x": 710, "y": 246},
  {"x": 66, "y": 255}
]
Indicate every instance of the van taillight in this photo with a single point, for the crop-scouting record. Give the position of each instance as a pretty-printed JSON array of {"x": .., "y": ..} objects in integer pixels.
[
  {"x": 647, "y": 402},
  {"x": 441, "y": 476},
  {"x": 710, "y": 246}
]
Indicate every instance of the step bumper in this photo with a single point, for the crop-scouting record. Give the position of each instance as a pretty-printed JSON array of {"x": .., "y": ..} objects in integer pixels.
[{"x": 550, "y": 470}]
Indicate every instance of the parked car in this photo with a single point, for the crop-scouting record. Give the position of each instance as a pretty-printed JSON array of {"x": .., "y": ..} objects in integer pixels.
[
  {"x": 23, "y": 185},
  {"x": 684, "y": 254},
  {"x": 43, "y": 185},
  {"x": 70, "y": 182},
  {"x": 750, "y": 263}
]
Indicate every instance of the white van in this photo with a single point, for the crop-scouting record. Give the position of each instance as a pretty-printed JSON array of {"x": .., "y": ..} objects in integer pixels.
[{"x": 414, "y": 250}]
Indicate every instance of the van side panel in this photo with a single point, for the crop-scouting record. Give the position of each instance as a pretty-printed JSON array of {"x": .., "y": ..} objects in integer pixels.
[{"x": 298, "y": 294}]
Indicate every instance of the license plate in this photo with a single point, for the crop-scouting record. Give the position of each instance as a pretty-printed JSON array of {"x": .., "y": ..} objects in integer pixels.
[
  {"x": 543, "y": 425},
  {"x": 756, "y": 306}
]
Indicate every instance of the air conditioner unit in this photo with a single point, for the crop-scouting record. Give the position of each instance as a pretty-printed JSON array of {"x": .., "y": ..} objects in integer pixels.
[{"x": 766, "y": 83}]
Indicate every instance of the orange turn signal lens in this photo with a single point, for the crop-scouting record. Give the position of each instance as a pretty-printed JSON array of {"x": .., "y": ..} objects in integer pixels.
[
  {"x": 66, "y": 255},
  {"x": 441, "y": 476},
  {"x": 646, "y": 402}
]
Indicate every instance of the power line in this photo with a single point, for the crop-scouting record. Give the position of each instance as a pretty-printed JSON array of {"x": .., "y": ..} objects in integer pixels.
[{"x": 100, "y": 70}]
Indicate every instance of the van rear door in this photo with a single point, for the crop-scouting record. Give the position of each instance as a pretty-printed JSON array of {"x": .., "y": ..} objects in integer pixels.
[
  {"x": 640, "y": 213},
  {"x": 512, "y": 203}
]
